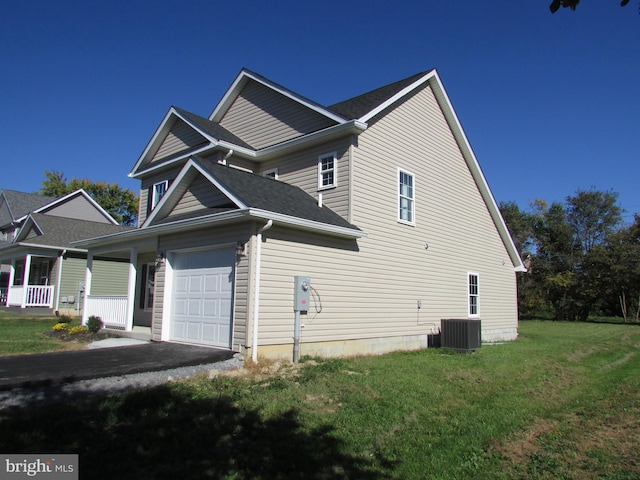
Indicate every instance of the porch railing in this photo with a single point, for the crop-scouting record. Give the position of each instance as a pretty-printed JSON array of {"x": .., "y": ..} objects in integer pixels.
[
  {"x": 37, "y": 296},
  {"x": 112, "y": 309}
]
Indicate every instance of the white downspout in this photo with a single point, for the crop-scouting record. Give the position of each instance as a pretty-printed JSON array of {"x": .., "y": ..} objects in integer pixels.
[{"x": 256, "y": 298}]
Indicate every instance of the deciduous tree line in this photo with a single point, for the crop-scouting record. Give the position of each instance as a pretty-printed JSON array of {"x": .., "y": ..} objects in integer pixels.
[{"x": 582, "y": 259}]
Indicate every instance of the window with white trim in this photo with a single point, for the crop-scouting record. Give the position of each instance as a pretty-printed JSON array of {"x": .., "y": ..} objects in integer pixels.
[
  {"x": 272, "y": 173},
  {"x": 158, "y": 191},
  {"x": 406, "y": 197},
  {"x": 474, "y": 294},
  {"x": 327, "y": 171}
]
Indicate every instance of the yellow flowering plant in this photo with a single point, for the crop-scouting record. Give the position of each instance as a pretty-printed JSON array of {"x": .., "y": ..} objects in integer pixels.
[{"x": 78, "y": 329}]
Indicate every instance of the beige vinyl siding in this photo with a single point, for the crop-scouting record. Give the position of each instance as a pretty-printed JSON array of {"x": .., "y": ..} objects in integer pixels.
[
  {"x": 212, "y": 237},
  {"x": 79, "y": 208},
  {"x": 451, "y": 217},
  {"x": 200, "y": 194},
  {"x": 373, "y": 290},
  {"x": 147, "y": 184},
  {"x": 273, "y": 117},
  {"x": 180, "y": 137},
  {"x": 301, "y": 169}
]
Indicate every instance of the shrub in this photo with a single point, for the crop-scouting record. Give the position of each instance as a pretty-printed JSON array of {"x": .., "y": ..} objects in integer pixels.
[
  {"x": 94, "y": 324},
  {"x": 64, "y": 319},
  {"x": 61, "y": 327},
  {"x": 77, "y": 330}
]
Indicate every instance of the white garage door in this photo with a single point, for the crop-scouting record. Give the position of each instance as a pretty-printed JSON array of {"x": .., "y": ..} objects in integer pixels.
[{"x": 201, "y": 310}]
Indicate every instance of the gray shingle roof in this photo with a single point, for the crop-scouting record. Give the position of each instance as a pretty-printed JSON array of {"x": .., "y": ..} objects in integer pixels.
[
  {"x": 271, "y": 195},
  {"x": 60, "y": 231},
  {"x": 213, "y": 129},
  {"x": 356, "y": 107},
  {"x": 21, "y": 203}
]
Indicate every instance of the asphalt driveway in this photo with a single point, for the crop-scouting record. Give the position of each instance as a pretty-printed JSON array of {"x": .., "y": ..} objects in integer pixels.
[{"x": 50, "y": 369}]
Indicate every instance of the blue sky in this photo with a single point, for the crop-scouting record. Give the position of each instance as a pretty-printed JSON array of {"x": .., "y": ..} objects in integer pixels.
[{"x": 550, "y": 103}]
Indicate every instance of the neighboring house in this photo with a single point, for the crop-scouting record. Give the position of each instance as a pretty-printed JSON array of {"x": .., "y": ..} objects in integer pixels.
[
  {"x": 379, "y": 200},
  {"x": 41, "y": 267}
]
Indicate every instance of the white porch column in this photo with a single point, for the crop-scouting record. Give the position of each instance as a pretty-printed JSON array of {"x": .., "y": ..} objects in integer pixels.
[
  {"x": 12, "y": 276},
  {"x": 25, "y": 280},
  {"x": 87, "y": 287},
  {"x": 131, "y": 292},
  {"x": 59, "y": 282}
]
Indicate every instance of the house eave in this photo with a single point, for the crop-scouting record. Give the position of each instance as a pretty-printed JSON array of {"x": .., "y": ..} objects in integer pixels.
[
  {"x": 305, "y": 224},
  {"x": 218, "y": 219},
  {"x": 268, "y": 153}
]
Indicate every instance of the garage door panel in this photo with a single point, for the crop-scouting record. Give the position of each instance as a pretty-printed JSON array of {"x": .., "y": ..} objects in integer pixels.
[
  {"x": 212, "y": 284},
  {"x": 211, "y": 309},
  {"x": 181, "y": 284},
  {"x": 195, "y": 284},
  {"x": 202, "y": 297},
  {"x": 195, "y": 308}
]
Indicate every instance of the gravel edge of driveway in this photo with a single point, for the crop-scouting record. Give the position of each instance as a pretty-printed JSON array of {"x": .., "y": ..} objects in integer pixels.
[{"x": 87, "y": 389}]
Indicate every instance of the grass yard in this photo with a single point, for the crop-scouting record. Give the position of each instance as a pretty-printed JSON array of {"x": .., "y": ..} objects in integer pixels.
[
  {"x": 19, "y": 335},
  {"x": 563, "y": 401}
]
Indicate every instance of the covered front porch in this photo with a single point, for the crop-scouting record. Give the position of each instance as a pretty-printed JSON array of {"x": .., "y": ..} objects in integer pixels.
[
  {"x": 128, "y": 312},
  {"x": 30, "y": 283}
]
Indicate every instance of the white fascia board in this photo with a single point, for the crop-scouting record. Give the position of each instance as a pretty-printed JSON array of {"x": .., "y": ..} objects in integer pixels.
[
  {"x": 153, "y": 167},
  {"x": 307, "y": 224},
  {"x": 211, "y": 139},
  {"x": 124, "y": 238},
  {"x": 228, "y": 193},
  {"x": 64, "y": 198},
  {"x": 81, "y": 192},
  {"x": 29, "y": 221},
  {"x": 240, "y": 82},
  {"x": 427, "y": 76},
  {"x": 52, "y": 247},
  {"x": 474, "y": 166},
  {"x": 354, "y": 126},
  {"x": 230, "y": 95},
  {"x": 177, "y": 183},
  {"x": 153, "y": 140}
]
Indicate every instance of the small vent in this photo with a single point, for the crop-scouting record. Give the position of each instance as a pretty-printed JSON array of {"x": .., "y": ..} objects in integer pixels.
[{"x": 462, "y": 335}]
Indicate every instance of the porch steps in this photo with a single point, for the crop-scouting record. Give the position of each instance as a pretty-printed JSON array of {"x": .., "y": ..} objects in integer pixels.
[{"x": 138, "y": 333}]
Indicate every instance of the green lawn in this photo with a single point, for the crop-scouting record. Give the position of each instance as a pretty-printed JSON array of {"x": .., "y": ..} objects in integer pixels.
[
  {"x": 19, "y": 335},
  {"x": 563, "y": 401}
]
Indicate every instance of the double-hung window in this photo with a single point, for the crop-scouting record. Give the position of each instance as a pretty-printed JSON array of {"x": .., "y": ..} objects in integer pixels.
[
  {"x": 327, "y": 171},
  {"x": 474, "y": 295},
  {"x": 406, "y": 197},
  {"x": 158, "y": 191}
]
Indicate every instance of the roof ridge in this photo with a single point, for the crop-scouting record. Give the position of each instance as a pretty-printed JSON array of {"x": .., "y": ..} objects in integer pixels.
[{"x": 356, "y": 107}]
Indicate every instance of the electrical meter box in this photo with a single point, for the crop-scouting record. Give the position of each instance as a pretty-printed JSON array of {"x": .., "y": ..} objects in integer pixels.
[{"x": 301, "y": 293}]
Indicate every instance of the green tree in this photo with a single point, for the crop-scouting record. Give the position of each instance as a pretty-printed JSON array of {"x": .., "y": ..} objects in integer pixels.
[
  {"x": 572, "y": 4},
  {"x": 120, "y": 203},
  {"x": 594, "y": 216}
]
